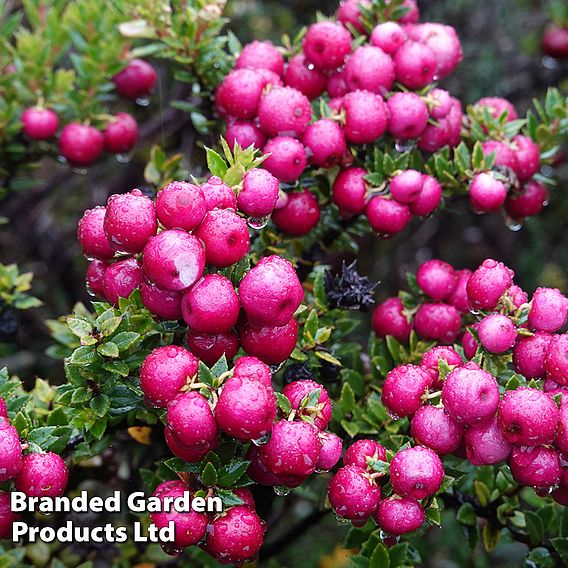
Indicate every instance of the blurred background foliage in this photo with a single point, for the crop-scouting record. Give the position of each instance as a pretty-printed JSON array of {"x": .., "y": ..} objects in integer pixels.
[{"x": 501, "y": 41}]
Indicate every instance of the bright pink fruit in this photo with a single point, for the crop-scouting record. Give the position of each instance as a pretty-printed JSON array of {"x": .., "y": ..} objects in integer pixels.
[
  {"x": 136, "y": 80},
  {"x": 437, "y": 279},
  {"x": 284, "y": 111},
  {"x": 239, "y": 93},
  {"x": 121, "y": 279},
  {"x": 253, "y": 369},
  {"x": 174, "y": 260},
  {"x": 399, "y": 516},
  {"x": 549, "y": 310},
  {"x": 287, "y": 160},
  {"x": 326, "y": 45},
  {"x": 270, "y": 344},
  {"x": 527, "y": 153},
  {"x": 211, "y": 305},
  {"x": 300, "y": 214},
  {"x": 504, "y": 155},
  {"x": 261, "y": 55},
  {"x": 42, "y": 475},
  {"x": 404, "y": 388},
  {"x": 487, "y": 284},
  {"x": 362, "y": 451},
  {"x": 439, "y": 322},
  {"x": 389, "y": 319},
  {"x": 164, "y": 372},
  {"x": 415, "y": 65},
  {"x": 386, "y": 216},
  {"x": 349, "y": 190},
  {"x": 121, "y": 134},
  {"x": 91, "y": 234},
  {"x": 39, "y": 123},
  {"x": 430, "y": 360},
  {"x": 497, "y": 106},
  {"x": 389, "y": 36},
  {"x": 189, "y": 455},
  {"x": 487, "y": 193},
  {"x": 369, "y": 68},
  {"x": 556, "y": 360},
  {"x": 245, "y": 134},
  {"x": 297, "y": 393},
  {"x": 470, "y": 394},
  {"x": 181, "y": 205},
  {"x": 304, "y": 77},
  {"x": 530, "y": 201},
  {"x": 80, "y": 145},
  {"x": 406, "y": 186},
  {"x": 536, "y": 467},
  {"x": 428, "y": 199},
  {"x": 528, "y": 417},
  {"x": 10, "y": 451},
  {"x": 225, "y": 236},
  {"x": 7, "y": 518},
  {"x": 432, "y": 427},
  {"x": 331, "y": 450},
  {"x": 485, "y": 444},
  {"x": 497, "y": 333},
  {"x": 366, "y": 117},
  {"x": 325, "y": 143},
  {"x": 211, "y": 347},
  {"x": 164, "y": 304},
  {"x": 349, "y": 13},
  {"x": 259, "y": 193},
  {"x": 416, "y": 473},
  {"x": 218, "y": 194},
  {"x": 529, "y": 353},
  {"x": 95, "y": 278},
  {"x": 130, "y": 221},
  {"x": 408, "y": 115},
  {"x": 459, "y": 298}
]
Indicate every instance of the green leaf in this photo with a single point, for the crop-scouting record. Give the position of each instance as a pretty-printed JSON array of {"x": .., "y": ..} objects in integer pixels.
[
  {"x": 561, "y": 546},
  {"x": 209, "y": 475},
  {"x": 534, "y": 527},
  {"x": 108, "y": 349},
  {"x": 490, "y": 537},
  {"x": 347, "y": 399},
  {"x": 228, "y": 498},
  {"x": 231, "y": 473},
  {"x": 100, "y": 405},
  {"x": 380, "y": 557},
  {"x": 466, "y": 515},
  {"x": 79, "y": 327},
  {"x": 310, "y": 399},
  {"x": 125, "y": 339},
  {"x": 481, "y": 492},
  {"x": 283, "y": 403},
  {"x": 328, "y": 357},
  {"x": 216, "y": 164},
  {"x": 311, "y": 327},
  {"x": 83, "y": 355},
  {"x": 110, "y": 325}
]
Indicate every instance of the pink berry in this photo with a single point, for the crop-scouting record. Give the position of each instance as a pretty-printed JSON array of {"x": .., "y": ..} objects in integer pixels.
[
  {"x": 300, "y": 214},
  {"x": 389, "y": 319},
  {"x": 556, "y": 359},
  {"x": 504, "y": 155},
  {"x": 42, "y": 475},
  {"x": 528, "y": 417},
  {"x": 404, "y": 388},
  {"x": 406, "y": 186},
  {"x": 428, "y": 199},
  {"x": 349, "y": 190},
  {"x": 225, "y": 236},
  {"x": 439, "y": 322},
  {"x": 245, "y": 134},
  {"x": 39, "y": 123},
  {"x": 121, "y": 134},
  {"x": 240, "y": 92},
  {"x": 163, "y": 304},
  {"x": 326, "y": 45},
  {"x": 497, "y": 106},
  {"x": 362, "y": 451},
  {"x": 293, "y": 449},
  {"x": 218, "y": 194},
  {"x": 284, "y": 111},
  {"x": 297, "y": 391},
  {"x": 211, "y": 305},
  {"x": 555, "y": 41},
  {"x": 432, "y": 427},
  {"x": 270, "y": 344},
  {"x": 304, "y": 77},
  {"x": 210, "y": 347},
  {"x": 454, "y": 122},
  {"x": 190, "y": 526},
  {"x": 470, "y": 394},
  {"x": 536, "y": 467},
  {"x": 369, "y": 68},
  {"x": 487, "y": 284},
  {"x": 164, "y": 372},
  {"x": 331, "y": 450},
  {"x": 485, "y": 444},
  {"x": 399, "y": 516},
  {"x": 529, "y": 355},
  {"x": 549, "y": 310},
  {"x": 130, "y": 221},
  {"x": 246, "y": 409},
  {"x": 440, "y": 103},
  {"x": 95, "y": 278},
  {"x": 497, "y": 333},
  {"x": 253, "y": 369},
  {"x": 189, "y": 455},
  {"x": 287, "y": 160},
  {"x": 336, "y": 85},
  {"x": 469, "y": 343},
  {"x": 246, "y": 496},
  {"x": 271, "y": 292},
  {"x": 561, "y": 441},
  {"x": 7, "y": 518},
  {"x": 121, "y": 279},
  {"x": 437, "y": 279},
  {"x": 415, "y": 65},
  {"x": 389, "y": 36},
  {"x": 527, "y": 153},
  {"x": 80, "y": 145},
  {"x": 518, "y": 296},
  {"x": 366, "y": 117},
  {"x": 236, "y": 536},
  {"x": 261, "y": 55},
  {"x": 443, "y": 41},
  {"x": 349, "y": 13},
  {"x": 386, "y": 216},
  {"x": 91, "y": 234},
  {"x": 3, "y": 409},
  {"x": 353, "y": 494},
  {"x": 10, "y": 451},
  {"x": 174, "y": 260},
  {"x": 412, "y": 14},
  {"x": 180, "y": 205},
  {"x": 325, "y": 143},
  {"x": 530, "y": 201},
  {"x": 191, "y": 421},
  {"x": 136, "y": 80},
  {"x": 487, "y": 193},
  {"x": 259, "y": 193},
  {"x": 260, "y": 473},
  {"x": 408, "y": 115},
  {"x": 459, "y": 297},
  {"x": 431, "y": 359},
  {"x": 435, "y": 136},
  {"x": 416, "y": 473}
]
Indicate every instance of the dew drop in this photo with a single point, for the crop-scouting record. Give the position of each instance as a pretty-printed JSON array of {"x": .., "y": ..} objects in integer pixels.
[
  {"x": 258, "y": 222},
  {"x": 405, "y": 145},
  {"x": 80, "y": 171},
  {"x": 282, "y": 490},
  {"x": 549, "y": 62},
  {"x": 122, "y": 158},
  {"x": 513, "y": 224},
  {"x": 143, "y": 101},
  {"x": 342, "y": 520},
  {"x": 262, "y": 440}
]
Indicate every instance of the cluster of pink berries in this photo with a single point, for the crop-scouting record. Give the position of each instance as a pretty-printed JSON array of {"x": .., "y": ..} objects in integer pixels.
[
  {"x": 35, "y": 474},
  {"x": 555, "y": 41},
  {"x": 233, "y": 537},
  {"x": 266, "y": 102},
  {"x": 288, "y": 446},
  {"x": 415, "y": 474},
  {"x": 170, "y": 249},
  {"x": 82, "y": 144}
]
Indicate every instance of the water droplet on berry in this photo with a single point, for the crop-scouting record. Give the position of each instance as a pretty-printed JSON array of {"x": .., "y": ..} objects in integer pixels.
[
  {"x": 393, "y": 415},
  {"x": 90, "y": 291},
  {"x": 513, "y": 224},
  {"x": 258, "y": 222},
  {"x": 143, "y": 101},
  {"x": 262, "y": 440},
  {"x": 320, "y": 470},
  {"x": 405, "y": 145},
  {"x": 122, "y": 158},
  {"x": 342, "y": 520},
  {"x": 80, "y": 171},
  {"x": 282, "y": 490},
  {"x": 61, "y": 159}
]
